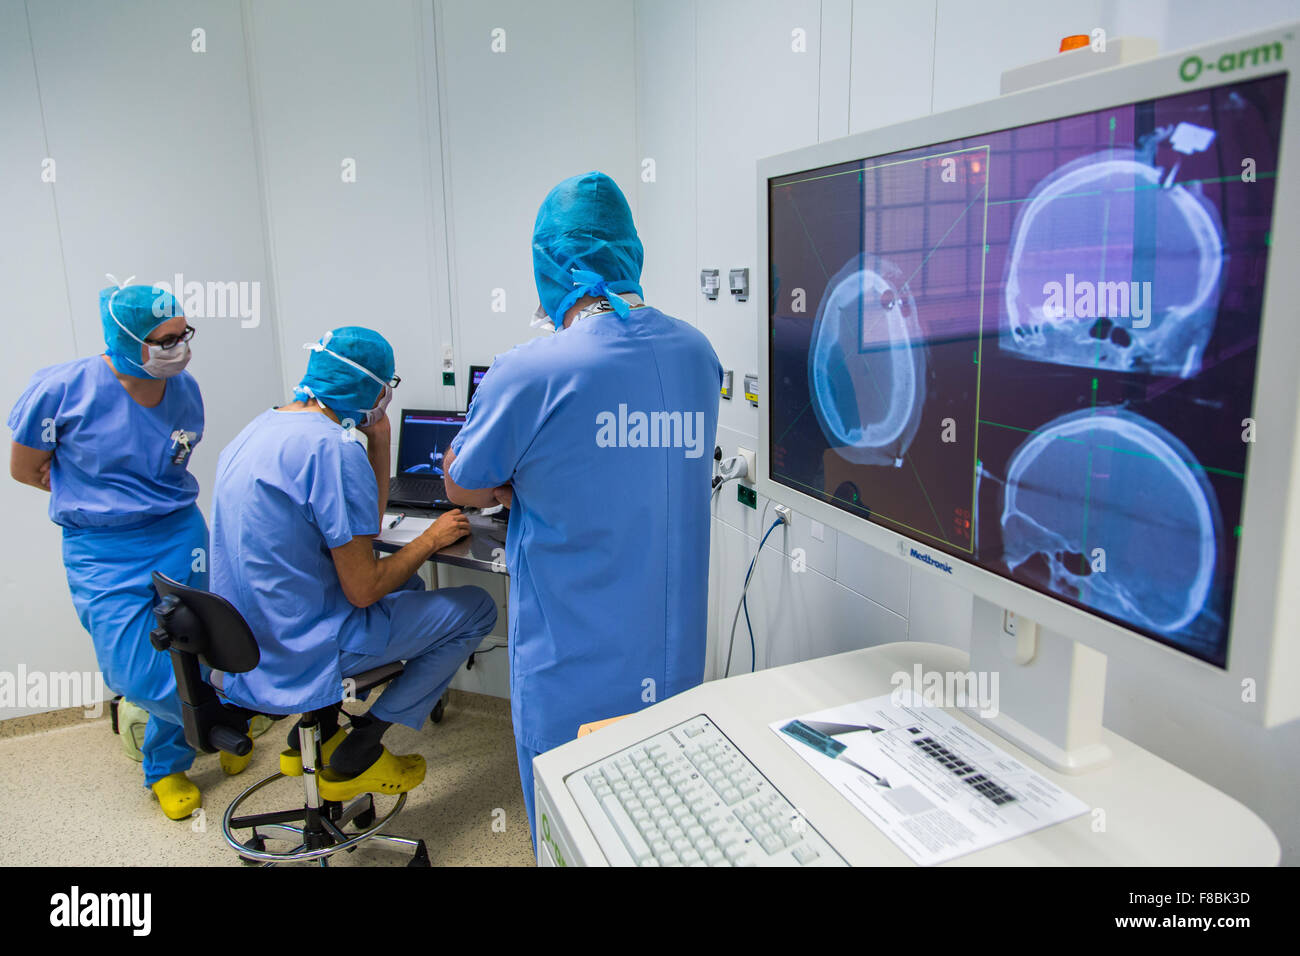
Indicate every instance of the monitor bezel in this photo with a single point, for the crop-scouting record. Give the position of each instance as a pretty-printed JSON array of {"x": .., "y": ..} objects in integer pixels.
[{"x": 1262, "y": 654}]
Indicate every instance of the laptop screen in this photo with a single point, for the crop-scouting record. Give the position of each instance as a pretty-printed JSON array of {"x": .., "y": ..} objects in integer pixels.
[
  {"x": 476, "y": 373},
  {"x": 424, "y": 439}
]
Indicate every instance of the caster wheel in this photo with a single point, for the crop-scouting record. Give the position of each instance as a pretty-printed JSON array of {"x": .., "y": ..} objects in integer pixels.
[
  {"x": 421, "y": 858},
  {"x": 365, "y": 818},
  {"x": 438, "y": 710},
  {"x": 255, "y": 842}
]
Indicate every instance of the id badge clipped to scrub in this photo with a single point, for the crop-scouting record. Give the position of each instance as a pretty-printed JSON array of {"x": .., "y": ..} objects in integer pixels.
[{"x": 181, "y": 445}]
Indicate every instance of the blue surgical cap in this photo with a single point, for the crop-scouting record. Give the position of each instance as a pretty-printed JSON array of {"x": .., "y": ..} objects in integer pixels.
[
  {"x": 138, "y": 310},
  {"x": 343, "y": 388},
  {"x": 585, "y": 243}
]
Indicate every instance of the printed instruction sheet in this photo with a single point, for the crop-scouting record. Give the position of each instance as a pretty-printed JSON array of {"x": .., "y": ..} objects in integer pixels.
[{"x": 927, "y": 781}]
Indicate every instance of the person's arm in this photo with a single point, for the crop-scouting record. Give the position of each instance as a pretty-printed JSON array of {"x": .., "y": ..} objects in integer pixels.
[
  {"x": 31, "y": 466},
  {"x": 468, "y": 497},
  {"x": 378, "y": 451},
  {"x": 366, "y": 578}
]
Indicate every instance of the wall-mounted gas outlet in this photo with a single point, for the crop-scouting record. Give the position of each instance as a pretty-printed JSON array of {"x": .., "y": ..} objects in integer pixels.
[
  {"x": 739, "y": 281},
  {"x": 710, "y": 282}
]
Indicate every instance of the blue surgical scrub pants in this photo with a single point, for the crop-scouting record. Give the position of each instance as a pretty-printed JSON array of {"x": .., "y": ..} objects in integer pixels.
[
  {"x": 434, "y": 632},
  {"x": 525, "y": 755},
  {"x": 110, "y": 575}
]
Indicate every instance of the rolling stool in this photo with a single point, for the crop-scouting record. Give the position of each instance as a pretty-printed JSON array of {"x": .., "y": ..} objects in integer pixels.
[{"x": 199, "y": 627}]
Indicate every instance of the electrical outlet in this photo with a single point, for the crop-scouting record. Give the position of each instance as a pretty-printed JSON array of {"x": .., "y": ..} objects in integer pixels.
[
  {"x": 747, "y": 496},
  {"x": 448, "y": 378},
  {"x": 750, "y": 462}
]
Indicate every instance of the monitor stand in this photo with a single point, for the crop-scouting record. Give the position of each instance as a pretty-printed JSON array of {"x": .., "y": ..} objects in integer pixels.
[{"x": 1050, "y": 689}]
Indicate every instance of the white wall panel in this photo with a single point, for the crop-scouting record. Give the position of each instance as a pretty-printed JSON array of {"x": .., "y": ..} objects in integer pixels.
[
  {"x": 892, "y": 62},
  {"x": 558, "y": 100},
  {"x": 339, "y": 83},
  {"x": 41, "y": 631}
]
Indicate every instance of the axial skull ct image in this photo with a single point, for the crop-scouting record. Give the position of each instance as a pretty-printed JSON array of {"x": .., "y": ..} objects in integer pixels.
[
  {"x": 1113, "y": 265},
  {"x": 1108, "y": 508},
  {"x": 867, "y": 363}
]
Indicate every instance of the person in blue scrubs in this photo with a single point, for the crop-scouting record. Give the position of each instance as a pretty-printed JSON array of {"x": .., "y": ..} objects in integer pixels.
[
  {"x": 600, "y": 437},
  {"x": 110, "y": 437},
  {"x": 298, "y": 501}
]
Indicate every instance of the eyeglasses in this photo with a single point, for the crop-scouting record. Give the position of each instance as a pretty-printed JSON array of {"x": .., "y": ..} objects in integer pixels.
[
  {"x": 171, "y": 341},
  {"x": 395, "y": 381}
]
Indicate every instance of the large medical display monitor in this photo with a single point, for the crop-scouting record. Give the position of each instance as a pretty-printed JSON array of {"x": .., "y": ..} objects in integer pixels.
[{"x": 1035, "y": 349}]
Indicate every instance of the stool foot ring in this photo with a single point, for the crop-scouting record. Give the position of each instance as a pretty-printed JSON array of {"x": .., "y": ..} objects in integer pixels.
[{"x": 275, "y": 825}]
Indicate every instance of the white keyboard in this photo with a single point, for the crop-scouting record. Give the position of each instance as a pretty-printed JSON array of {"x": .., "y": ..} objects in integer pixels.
[{"x": 688, "y": 797}]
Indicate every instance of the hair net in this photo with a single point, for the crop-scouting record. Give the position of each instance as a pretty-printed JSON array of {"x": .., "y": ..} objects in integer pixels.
[
  {"x": 585, "y": 243},
  {"x": 347, "y": 371},
  {"x": 129, "y": 313}
]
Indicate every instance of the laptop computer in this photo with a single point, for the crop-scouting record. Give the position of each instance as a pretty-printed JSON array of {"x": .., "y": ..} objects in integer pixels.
[
  {"x": 476, "y": 373},
  {"x": 423, "y": 439}
]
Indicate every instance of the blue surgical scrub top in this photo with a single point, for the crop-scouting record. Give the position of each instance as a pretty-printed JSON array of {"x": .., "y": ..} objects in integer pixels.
[
  {"x": 289, "y": 488},
  {"x": 608, "y": 541},
  {"x": 113, "y": 458}
]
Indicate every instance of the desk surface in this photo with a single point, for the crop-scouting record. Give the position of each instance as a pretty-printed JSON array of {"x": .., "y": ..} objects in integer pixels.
[
  {"x": 483, "y": 549},
  {"x": 1153, "y": 813}
]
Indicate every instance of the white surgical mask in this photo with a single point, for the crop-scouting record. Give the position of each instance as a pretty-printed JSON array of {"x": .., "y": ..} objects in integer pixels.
[
  {"x": 380, "y": 409},
  {"x": 166, "y": 363},
  {"x": 541, "y": 320}
]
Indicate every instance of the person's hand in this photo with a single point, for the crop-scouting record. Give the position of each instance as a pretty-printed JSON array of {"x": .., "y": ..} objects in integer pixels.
[
  {"x": 504, "y": 495},
  {"x": 450, "y": 527},
  {"x": 381, "y": 431},
  {"x": 45, "y": 474}
]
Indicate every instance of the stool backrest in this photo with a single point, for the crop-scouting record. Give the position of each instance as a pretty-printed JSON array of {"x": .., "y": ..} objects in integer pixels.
[
  {"x": 196, "y": 627},
  {"x": 206, "y": 625}
]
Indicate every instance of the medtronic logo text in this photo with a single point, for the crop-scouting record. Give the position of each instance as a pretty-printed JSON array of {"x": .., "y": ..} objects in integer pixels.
[
  {"x": 651, "y": 430},
  {"x": 945, "y": 568},
  {"x": 1192, "y": 67}
]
